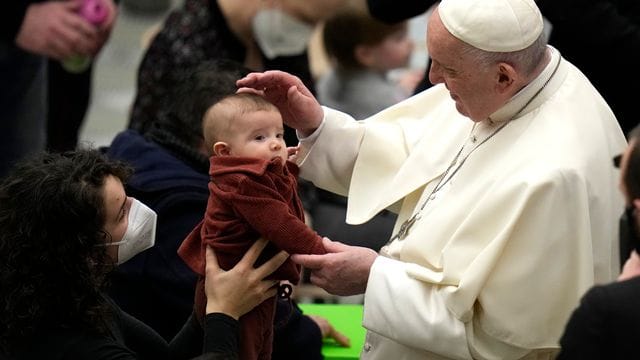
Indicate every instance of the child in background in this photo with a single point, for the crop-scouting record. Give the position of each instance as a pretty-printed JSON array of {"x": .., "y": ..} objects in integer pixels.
[
  {"x": 362, "y": 51},
  {"x": 252, "y": 194}
]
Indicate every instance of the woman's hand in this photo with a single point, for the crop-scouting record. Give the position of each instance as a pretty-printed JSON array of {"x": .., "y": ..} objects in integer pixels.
[{"x": 239, "y": 290}]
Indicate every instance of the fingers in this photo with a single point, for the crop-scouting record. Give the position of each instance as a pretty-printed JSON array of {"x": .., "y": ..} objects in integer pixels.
[
  {"x": 253, "y": 253},
  {"x": 334, "y": 246},
  {"x": 339, "y": 337},
  {"x": 311, "y": 262},
  {"x": 211, "y": 260},
  {"x": 272, "y": 264},
  {"x": 250, "y": 90}
]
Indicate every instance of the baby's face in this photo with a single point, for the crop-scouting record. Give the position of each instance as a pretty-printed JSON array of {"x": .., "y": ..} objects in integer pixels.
[{"x": 259, "y": 134}]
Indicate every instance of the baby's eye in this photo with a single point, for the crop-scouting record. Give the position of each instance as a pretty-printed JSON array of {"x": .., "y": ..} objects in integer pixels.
[
  {"x": 259, "y": 137},
  {"x": 280, "y": 135}
]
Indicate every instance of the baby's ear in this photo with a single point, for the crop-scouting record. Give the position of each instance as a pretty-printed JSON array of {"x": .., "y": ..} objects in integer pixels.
[{"x": 221, "y": 148}]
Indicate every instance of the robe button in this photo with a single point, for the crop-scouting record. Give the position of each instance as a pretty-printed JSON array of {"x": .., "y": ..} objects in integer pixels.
[{"x": 367, "y": 347}]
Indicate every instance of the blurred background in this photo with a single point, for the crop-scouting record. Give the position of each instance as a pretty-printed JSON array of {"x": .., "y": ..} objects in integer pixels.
[{"x": 117, "y": 64}]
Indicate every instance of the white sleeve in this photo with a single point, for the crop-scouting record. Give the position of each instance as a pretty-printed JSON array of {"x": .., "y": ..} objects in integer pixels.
[{"x": 411, "y": 312}]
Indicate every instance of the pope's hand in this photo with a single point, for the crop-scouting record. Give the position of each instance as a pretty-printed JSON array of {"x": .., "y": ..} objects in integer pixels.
[
  {"x": 343, "y": 271},
  {"x": 299, "y": 108}
]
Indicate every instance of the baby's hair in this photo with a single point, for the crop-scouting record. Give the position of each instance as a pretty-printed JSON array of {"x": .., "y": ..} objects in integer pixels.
[{"x": 219, "y": 117}]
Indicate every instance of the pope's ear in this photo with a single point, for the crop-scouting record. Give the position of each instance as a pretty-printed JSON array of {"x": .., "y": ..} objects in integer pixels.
[
  {"x": 221, "y": 148},
  {"x": 506, "y": 77}
]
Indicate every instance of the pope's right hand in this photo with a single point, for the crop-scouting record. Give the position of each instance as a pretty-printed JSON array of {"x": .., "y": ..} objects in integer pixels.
[{"x": 299, "y": 108}]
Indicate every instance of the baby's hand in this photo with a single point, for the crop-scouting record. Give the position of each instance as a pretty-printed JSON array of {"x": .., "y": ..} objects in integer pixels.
[{"x": 292, "y": 151}]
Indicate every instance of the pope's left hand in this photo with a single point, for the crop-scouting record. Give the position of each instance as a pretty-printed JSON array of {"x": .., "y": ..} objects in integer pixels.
[{"x": 343, "y": 271}]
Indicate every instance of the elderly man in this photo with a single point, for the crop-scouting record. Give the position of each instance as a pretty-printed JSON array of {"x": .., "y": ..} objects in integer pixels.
[{"x": 504, "y": 221}]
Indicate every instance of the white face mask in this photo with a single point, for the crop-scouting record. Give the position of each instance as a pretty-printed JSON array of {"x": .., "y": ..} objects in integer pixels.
[
  {"x": 280, "y": 34},
  {"x": 140, "y": 234}
]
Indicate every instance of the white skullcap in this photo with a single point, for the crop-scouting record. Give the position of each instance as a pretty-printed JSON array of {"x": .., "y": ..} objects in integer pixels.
[{"x": 493, "y": 25}]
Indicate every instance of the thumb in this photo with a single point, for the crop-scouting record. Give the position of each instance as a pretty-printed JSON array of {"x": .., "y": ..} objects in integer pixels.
[{"x": 333, "y": 246}]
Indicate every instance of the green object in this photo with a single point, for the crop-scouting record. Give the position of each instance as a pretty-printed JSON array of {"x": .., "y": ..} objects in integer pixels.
[
  {"x": 76, "y": 64},
  {"x": 345, "y": 318}
]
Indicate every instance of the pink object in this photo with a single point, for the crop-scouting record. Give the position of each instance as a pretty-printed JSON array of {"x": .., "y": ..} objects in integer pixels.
[{"x": 94, "y": 11}]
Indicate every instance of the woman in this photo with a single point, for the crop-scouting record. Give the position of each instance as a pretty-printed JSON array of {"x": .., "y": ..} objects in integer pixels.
[{"x": 65, "y": 221}]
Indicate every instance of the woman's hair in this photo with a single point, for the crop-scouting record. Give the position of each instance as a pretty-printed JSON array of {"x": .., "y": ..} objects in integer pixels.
[
  {"x": 52, "y": 217},
  {"x": 179, "y": 126},
  {"x": 349, "y": 28}
]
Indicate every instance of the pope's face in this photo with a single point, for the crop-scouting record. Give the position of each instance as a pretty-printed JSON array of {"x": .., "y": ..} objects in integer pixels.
[{"x": 471, "y": 85}]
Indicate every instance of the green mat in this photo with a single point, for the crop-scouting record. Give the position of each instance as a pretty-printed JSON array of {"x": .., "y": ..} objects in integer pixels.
[{"x": 345, "y": 318}]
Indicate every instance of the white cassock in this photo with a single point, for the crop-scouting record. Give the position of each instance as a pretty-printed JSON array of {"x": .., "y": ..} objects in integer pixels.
[{"x": 503, "y": 251}]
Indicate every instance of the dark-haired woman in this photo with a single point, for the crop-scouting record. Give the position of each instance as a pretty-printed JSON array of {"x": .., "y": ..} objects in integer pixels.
[{"x": 65, "y": 222}]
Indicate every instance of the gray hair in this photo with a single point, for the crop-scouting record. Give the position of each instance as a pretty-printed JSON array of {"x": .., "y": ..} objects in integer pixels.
[{"x": 525, "y": 60}]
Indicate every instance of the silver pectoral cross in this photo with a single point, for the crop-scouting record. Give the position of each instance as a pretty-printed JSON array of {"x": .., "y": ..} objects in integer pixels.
[{"x": 404, "y": 228}]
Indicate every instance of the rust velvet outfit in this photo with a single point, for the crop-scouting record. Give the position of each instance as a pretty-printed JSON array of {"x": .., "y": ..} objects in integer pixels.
[{"x": 251, "y": 198}]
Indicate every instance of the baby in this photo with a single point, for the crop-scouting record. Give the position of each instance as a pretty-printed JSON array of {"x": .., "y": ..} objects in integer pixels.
[{"x": 252, "y": 194}]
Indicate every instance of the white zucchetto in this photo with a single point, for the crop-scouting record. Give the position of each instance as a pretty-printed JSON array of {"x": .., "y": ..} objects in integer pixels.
[{"x": 493, "y": 25}]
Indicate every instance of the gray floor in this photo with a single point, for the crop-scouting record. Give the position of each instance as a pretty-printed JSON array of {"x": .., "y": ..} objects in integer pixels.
[{"x": 116, "y": 68}]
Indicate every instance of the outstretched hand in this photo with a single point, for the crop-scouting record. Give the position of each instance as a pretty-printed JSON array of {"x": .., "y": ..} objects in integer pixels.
[
  {"x": 239, "y": 290},
  {"x": 343, "y": 271},
  {"x": 299, "y": 108}
]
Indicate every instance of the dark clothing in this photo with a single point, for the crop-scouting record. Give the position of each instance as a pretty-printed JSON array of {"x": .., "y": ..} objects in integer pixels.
[
  {"x": 195, "y": 32},
  {"x": 391, "y": 12},
  {"x": 156, "y": 286},
  {"x": 129, "y": 338},
  {"x": 606, "y": 325},
  {"x": 296, "y": 336},
  {"x": 69, "y": 95},
  {"x": 613, "y": 28},
  {"x": 11, "y": 17},
  {"x": 24, "y": 94},
  {"x": 251, "y": 198}
]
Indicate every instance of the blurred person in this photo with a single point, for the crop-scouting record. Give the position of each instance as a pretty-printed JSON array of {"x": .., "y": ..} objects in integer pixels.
[
  {"x": 358, "y": 82},
  {"x": 606, "y": 324},
  {"x": 260, "y": 34},
  {"x": 505, "y": 217},
  {"x": 612, "y": 27},
  {"x": 65, "y": 222},
  {"x": 69, "y": 95},
  {"x": 32, "y": 32}
]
